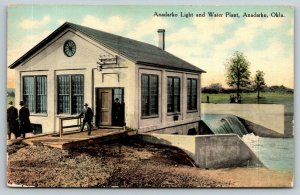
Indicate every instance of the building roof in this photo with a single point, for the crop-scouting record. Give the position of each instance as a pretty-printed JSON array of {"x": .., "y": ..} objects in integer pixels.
[{"x": 139, "y": 52}]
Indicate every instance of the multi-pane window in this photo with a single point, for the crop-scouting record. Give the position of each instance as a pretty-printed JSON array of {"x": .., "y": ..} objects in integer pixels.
[
  {"x": 192, "y": 94},
  {"x": 63, "y": 93},
  {"x": 118, "y": 93},
  {"x": 35, "y": 93},
  {"x": 28, "y": 92},
  {"x": 70, "y": 90},
  {"x": 41, "y": 94},
  {"x": 149, "y": 94},
  {"x": 173, "y": 94}
]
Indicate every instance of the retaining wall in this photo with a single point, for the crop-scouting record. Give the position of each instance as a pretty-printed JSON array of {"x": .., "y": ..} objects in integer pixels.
[{"x": 209, "y": 151}]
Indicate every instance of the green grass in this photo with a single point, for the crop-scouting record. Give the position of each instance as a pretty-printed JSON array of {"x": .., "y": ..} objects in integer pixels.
[{"x": 251, "y": 98}]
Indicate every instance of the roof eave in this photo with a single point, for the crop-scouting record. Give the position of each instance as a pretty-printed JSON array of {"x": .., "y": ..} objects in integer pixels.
[
  {"x": 170, "y": 67},
  {"x": 38, "y": 46},
  {"x": 47, "y": 39},
  {"x": 69, "y": 25}
]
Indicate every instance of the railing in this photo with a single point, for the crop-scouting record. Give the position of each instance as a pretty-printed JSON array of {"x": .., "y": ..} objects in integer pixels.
[{"x": 62, "y": 127}]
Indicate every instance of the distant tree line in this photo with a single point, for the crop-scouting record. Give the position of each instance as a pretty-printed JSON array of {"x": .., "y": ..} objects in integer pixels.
[{"x": 11, "y": 93}]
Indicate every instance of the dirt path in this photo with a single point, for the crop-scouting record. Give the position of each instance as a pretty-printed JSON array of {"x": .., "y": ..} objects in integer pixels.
[
  {"x": 130, "y": 164},
  {"x": 245, "y": 177}
]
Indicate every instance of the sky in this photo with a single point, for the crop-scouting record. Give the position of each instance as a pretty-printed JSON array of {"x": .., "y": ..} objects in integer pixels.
[{"x": 206, "y": 42}]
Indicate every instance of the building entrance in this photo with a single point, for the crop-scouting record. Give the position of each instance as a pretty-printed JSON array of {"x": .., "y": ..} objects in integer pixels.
[{"x": 110, "y": 107}]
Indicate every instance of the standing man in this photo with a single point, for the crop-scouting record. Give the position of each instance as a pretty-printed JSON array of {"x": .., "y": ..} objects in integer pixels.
[
  {"x": 12, "y": 121},
  {"x": 25, "y": 126},
  {"x": 87, "y": 114},
  {"x": 117, "y": 113},
  {"x": 207, "y": 99}
]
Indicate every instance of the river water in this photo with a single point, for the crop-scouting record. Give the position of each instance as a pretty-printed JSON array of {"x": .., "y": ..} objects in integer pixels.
[{"x": 274, "y": 153}]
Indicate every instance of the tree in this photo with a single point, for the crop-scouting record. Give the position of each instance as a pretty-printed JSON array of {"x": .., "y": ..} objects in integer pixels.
[
  {"x": 237, "y": 71},
  {"x": 259, "y": 81},
  {"x": 216, "y": 87}
]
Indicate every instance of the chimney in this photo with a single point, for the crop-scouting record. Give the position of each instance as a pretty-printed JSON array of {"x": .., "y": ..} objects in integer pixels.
[{"x": 161, "y": 38}]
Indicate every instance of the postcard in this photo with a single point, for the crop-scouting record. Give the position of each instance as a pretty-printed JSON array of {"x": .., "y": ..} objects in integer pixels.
[{"x": 138, "y": 96}]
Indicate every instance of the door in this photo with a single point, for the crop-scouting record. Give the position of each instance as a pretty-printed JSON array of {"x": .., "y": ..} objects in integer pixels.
[{"x": 104, "y": 104}]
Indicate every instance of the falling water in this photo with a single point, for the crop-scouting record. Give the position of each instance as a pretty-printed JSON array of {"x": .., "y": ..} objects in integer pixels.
[{"x": 224, "y": 124}]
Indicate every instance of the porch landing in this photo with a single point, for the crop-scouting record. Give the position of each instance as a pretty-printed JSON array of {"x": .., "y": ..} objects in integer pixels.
[{"x": 77, "y": 139}]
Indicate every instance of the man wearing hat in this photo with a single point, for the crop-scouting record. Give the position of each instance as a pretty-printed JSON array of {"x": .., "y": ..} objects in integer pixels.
[
  {"x": 25, "y": 126},
  {"x": 118, "y": 113},
  {"x": 87, "y": 115},
  {"x": 12, "y": 121}
]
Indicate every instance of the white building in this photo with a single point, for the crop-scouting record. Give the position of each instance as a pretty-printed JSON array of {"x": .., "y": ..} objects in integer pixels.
[{"x": 76, "y": 64}]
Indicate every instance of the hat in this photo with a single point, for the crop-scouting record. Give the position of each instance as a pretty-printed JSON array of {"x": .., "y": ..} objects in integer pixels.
[
  {"x": 21, "y": 103},
  {"x": 10, "y": 103},
  {"x": 85, "y": 104}
]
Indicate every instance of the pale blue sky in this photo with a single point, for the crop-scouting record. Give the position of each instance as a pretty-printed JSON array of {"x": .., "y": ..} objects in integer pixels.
[{"x": 203, "y": 41}]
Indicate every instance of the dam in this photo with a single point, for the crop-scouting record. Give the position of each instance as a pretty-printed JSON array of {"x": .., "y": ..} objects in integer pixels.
[
  {"x": 224, "y": 124},
  {"x": 224, "y": 141}
]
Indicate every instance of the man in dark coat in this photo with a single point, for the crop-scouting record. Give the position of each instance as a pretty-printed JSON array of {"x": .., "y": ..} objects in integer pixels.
[
  {"x": 87, "y": 115},
  {"x": 25, "y": 126},
  {"x": 117, "y": 118},
  {"x": 12, "y": 121}
]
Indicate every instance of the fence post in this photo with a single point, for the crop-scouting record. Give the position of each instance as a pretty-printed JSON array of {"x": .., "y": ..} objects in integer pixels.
[{"x": 60, "y": 127}]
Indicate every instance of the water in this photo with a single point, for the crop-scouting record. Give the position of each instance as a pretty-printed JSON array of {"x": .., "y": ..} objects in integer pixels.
[
  {"x": 274, "y": 153},
  {"x": 224, "y": 124}
]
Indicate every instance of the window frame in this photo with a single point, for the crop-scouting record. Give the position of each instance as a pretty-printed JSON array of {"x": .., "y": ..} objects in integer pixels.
[
  {"x": 193, "y": 108},
  {"x": 118, "y": 95},
  {"x": 150, "y": 115},
  {"x": 35, "y": 94},
  {"x": 173, "y": 94},
  {"x": 69, "y": 94}
]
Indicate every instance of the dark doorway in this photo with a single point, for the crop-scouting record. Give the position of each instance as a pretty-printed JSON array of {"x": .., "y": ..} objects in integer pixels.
[{"x": 118, "y": 107}]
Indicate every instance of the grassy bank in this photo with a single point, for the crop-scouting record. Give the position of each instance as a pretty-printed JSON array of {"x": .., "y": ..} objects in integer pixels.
[{"x": 251, "y": 98}]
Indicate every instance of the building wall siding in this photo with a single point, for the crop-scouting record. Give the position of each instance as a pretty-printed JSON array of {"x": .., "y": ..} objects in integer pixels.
[
  {"x": 165, "y": 119},
  {"x": 51, "y": 61}
]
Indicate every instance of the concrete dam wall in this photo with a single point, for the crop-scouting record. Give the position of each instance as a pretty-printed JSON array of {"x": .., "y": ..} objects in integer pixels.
[{"x": 209, "y": 151}]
